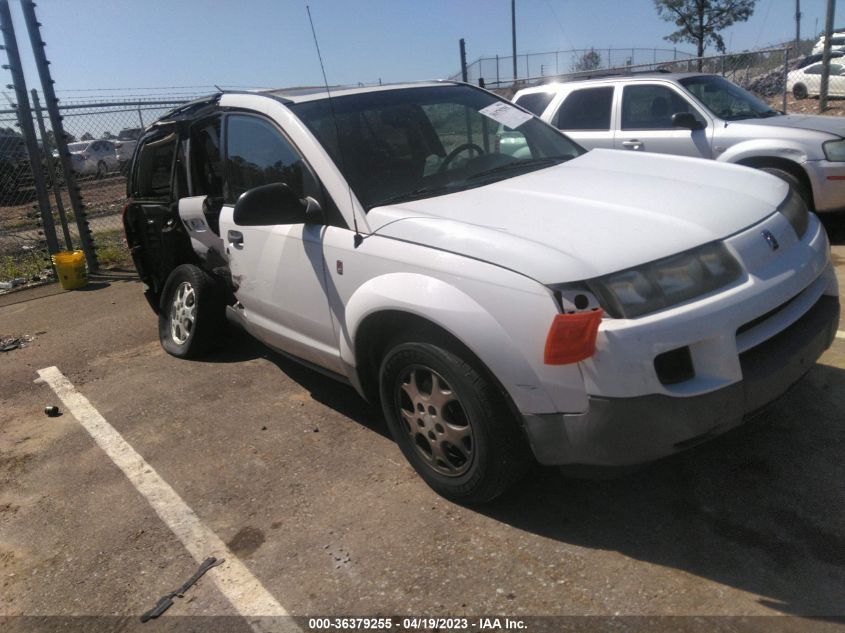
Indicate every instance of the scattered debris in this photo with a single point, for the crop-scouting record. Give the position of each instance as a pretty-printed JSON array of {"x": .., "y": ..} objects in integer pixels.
[
  {"x": 166, "y": 601},
  {"x": 9, "y": 343},
  {"x": 263, "y": 428},
  {"x": 52, "y": 411}
]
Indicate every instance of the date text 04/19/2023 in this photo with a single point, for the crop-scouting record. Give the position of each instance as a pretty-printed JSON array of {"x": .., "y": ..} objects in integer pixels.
[{"x": 412, "y": 623}]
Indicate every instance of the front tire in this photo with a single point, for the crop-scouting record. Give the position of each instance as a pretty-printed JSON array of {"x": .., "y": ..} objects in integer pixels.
[
  {"x": 191, "y": 312},
  {"x": 102, "y": 170},
  {"x": 799, "y": 91},
  {"x": 793, "y": 182},
  {"x": 451, "y": 423}
]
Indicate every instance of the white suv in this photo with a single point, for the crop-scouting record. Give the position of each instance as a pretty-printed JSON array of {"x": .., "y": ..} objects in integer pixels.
[
  {"x": 704, "y": 116},
  {"x": 595, "y": 308}
]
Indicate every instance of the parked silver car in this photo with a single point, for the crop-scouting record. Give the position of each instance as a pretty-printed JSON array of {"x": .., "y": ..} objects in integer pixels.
[{"x": 703, "y": 116}]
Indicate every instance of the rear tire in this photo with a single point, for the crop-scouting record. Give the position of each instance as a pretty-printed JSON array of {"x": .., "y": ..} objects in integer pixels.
[
  {"x": 452, "y": 424},
  {"x": 191, "y": 312},
  {"x": 799, "y": 91},
  {"x": 793, "y": 182},
  {"x": 102, "y": 170}
]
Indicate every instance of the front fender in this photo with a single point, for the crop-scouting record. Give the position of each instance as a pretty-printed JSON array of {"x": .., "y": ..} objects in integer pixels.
[
  {"x": 505, "y": 355},
  {"x": 764, "y": 148}
]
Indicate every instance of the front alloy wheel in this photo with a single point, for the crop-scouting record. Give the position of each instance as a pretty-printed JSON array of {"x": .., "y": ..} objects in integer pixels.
[
  {"x": 435, "y": 421},
  {"x": 451, "y": 421}
]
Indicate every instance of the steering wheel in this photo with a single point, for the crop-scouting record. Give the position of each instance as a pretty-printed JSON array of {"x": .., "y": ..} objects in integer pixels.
[{"x": 454, "y": 153}]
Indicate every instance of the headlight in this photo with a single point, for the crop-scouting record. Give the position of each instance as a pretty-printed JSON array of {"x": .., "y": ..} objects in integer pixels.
[
  {"x": 834, "y": 150},
  {"x": 796, "y": 212},
  {"x": 665, "y": 282}
]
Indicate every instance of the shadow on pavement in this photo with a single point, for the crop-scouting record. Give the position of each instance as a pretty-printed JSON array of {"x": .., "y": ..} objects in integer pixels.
[
  {"x": 761, "y": 509},
  {"x": 834, "y": 224},
  {"x": 240, "y": 347}
]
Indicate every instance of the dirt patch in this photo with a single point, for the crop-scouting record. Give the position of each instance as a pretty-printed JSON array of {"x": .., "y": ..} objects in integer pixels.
[{"x": 98, "y": 196}]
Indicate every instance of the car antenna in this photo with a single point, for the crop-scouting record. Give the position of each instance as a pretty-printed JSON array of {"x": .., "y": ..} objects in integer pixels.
[{"x": 359, "y": 239}]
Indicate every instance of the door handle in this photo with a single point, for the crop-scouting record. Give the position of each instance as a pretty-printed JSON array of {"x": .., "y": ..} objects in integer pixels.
[
  {"x": 633, "y": 144},
  {"x": 236, "y": 238}
]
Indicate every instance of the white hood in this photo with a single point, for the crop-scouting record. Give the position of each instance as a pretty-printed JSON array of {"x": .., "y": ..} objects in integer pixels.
[{"x": 604, "y": 211}]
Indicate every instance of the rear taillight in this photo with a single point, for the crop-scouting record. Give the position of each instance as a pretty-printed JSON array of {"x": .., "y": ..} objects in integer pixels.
[{"x": 572, "y": 337}]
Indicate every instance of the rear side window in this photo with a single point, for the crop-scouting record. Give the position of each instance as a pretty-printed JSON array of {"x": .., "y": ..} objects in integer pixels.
[
  {"x": 587, "y": 109},
  {"x": 154, "y": 169},
  {"x": 257, "y": 154},
  {"x": 535, "y": 102}
]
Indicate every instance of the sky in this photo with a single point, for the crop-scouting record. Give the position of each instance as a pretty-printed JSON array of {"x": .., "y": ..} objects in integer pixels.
[{"x": 103, "y": 47}]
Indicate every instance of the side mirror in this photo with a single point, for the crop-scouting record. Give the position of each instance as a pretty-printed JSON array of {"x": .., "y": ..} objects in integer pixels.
[
  {"x": 686, "y": 120},
  {"x": 269, "y": 204}
]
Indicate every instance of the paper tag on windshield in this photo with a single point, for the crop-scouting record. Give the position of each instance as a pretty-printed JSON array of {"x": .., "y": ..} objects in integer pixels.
[{"x": 505, "y": 114}]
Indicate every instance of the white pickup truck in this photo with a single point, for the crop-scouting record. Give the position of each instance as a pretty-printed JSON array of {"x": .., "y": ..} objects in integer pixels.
[{"x": 596, "y": 308}]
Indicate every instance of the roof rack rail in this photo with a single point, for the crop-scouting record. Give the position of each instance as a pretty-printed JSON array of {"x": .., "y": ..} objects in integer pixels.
[{"x": 616, "y": 73}]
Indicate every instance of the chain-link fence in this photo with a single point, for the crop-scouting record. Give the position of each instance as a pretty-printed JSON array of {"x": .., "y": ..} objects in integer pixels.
[
  {"x": 102, "y": 138},
  {"x": 498, "y": 71}
]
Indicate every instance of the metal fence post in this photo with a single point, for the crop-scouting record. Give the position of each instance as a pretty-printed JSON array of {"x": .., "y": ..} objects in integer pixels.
[
  {"x": 141, "y": 118},
  {"x": 785, "y": 73},
  {"x": 51, "y": 169},
  {"x": 27, "y": 129},
  {"x": 41, "y": 63}
]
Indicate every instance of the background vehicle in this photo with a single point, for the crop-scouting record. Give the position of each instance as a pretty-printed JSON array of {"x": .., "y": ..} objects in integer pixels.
[
  {"x": 125, "y": 144},
  {"x": 600, "y": 308},
  {"x": 806, "y": 82},
  {"x": 93, "y": 158},
  {"x": 703, "y": 116},
  {"x": 837, "y": 42}
]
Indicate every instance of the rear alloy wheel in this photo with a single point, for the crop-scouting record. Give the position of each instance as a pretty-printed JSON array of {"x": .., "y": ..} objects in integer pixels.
[
  {"x": 451, "y": 423},
  {"x": 799, "y": 91},
  {"x": 192, "y": 312}
]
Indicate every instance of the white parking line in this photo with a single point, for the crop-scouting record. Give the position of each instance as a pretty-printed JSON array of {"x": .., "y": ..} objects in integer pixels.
[
  {"x": 246, "y": 593},
  {"x": 840, "y": 334}
]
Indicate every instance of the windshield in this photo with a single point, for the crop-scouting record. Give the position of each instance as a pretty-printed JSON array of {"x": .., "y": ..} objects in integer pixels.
[
  {"x": 411, "y": 143},
  {"x": 77, "y": 147},
  {"x": 725, "y": 99}
]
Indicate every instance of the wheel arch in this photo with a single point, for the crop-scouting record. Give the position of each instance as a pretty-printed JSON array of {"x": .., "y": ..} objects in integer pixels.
[
  {"x": 786, "y": 165},
  {"x": 402, "y": 302}
]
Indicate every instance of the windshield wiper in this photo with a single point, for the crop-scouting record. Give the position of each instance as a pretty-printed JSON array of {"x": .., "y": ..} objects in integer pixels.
[
  {"x": 416, "y": 194},
  {"x": 520, "y": 164}
]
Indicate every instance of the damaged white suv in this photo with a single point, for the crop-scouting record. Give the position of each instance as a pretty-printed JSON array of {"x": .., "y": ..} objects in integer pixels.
[{"x": 601, "y": 308}]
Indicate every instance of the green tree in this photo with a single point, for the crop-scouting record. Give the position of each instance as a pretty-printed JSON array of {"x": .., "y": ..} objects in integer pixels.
[
  {"x": 699, "y": 21},
  {"x": 87, "y": 137},
  {"x": 590, "y": 60}
]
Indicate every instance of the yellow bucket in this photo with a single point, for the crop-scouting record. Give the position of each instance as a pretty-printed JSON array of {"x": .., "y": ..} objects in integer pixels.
[{"x": 70, "y": 267}]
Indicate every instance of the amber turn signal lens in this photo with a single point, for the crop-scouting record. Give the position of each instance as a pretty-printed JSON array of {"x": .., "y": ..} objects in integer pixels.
[{"x": 572, "y": 337}]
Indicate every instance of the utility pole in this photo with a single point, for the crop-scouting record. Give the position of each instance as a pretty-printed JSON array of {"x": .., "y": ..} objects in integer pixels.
[
  {"x": 828, "y": 34},
  {"x": 797, "y": 27},
  {"x": 27, "y": 128},
  {"x": 463, "y": 48},
  {"x": 513, "y": 36}
]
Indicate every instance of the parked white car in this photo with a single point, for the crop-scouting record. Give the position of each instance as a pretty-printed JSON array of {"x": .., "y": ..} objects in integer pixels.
[
  {"x": 806, "y": 82},
  {"x": 93, "y": 158},
  {"x": 704, "y": 116},
  {"x": 598, "y": 308},
  {"x": 125, "y": 143}
]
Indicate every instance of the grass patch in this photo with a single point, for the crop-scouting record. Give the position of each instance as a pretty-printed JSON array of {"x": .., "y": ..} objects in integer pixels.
[{"x": 112, "y": 252}]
